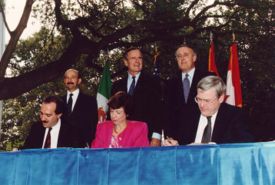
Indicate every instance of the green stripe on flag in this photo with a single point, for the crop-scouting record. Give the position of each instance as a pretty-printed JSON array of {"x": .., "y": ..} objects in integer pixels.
[{"x": 105, "y": 83}]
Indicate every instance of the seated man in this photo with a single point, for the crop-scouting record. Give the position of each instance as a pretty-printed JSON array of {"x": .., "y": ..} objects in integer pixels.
[
  {"x": 50, "y": 131},
  {"x": 217, "y": 122}
]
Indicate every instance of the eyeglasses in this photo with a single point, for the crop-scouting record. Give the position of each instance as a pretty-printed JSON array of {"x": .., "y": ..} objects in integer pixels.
[{"x": 200, "y": 100}]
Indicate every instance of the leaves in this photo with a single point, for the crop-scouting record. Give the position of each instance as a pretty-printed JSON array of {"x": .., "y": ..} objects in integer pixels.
[{"x": 86, "y": 33}]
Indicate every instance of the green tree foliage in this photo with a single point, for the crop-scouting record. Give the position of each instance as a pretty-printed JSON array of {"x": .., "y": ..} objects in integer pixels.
[{"x": 87, "y": 33}]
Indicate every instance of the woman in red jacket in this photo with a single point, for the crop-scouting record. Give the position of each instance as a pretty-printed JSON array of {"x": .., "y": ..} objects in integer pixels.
[{"x": 120, "y": 132}]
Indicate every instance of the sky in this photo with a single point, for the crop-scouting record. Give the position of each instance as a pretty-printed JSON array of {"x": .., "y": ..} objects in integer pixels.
[{"x": 14, "y": 9}]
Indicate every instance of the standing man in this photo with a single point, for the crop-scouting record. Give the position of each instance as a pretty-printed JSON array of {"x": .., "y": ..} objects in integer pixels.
[
  {"x": 81, "y": 109},
  {"x": 217, "y": 121},
  {"x": 50, "y": 131},
  {"x": 144, "y": 91},
  {"x": 181, "y": 90}
]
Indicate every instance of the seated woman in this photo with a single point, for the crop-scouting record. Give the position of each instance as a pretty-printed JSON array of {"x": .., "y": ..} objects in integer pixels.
[{"x": 119, "y": 132}]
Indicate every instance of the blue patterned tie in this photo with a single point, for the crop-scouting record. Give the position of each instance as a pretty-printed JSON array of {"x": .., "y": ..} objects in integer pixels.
[
  {"x": 186, "y": 87},
  {"x": 132, "y": 87}
]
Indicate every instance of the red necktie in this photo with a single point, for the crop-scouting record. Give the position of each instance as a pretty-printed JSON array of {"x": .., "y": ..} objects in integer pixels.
[{"x": 48, "y": 139}]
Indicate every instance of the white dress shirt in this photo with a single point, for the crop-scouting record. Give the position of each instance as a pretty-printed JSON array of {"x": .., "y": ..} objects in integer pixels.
[
  {"x": 130, "y": 80},
  {"x": 74, "y": 97},
  {"x": 54, "y": 134},
  {"x": 202, "y": 125},
  {"x": 190, "y": 75}
]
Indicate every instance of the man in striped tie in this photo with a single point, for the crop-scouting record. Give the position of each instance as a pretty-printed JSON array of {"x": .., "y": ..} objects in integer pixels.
[{"x": 144, "y": 91}]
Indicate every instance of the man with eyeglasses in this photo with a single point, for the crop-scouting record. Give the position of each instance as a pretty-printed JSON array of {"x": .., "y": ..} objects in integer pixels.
[
  {"x": 144, "y": 91},
  {"x": 217, "y": 122},
  {"x": 181, "y": 90}
]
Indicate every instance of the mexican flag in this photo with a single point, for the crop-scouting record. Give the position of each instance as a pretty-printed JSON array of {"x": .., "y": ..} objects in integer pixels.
[{"x": 104, "y": 93}]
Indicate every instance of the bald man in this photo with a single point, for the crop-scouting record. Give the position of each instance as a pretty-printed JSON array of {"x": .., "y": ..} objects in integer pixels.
[{"x": 81, "y": 109}]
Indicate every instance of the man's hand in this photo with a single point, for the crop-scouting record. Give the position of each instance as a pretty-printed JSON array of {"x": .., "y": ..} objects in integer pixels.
[{"x": 155, "y": 142}]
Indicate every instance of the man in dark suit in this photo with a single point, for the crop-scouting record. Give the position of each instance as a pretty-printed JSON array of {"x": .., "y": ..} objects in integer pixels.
[
  {"x": 50, "y": 131},
  {"x": 181, "y": 90},
  {"x": 217, "y": 122},
  {"x": 144, "y": 91},
  {"x": 81, "y": 109}
]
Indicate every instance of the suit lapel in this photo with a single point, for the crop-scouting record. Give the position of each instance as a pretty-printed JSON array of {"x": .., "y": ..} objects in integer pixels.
[
  {"x": 42, "y": 131},
  {"x": 60, "y": 141},
  {"x": 179, "y": 89},
  {"x": 124, "y": 84},
  {"x": 193, "y": 88},
  {"x": 78, "y": 102},
  {"x": 140, "y": 83},
  {"x": 219, "y": 124}
]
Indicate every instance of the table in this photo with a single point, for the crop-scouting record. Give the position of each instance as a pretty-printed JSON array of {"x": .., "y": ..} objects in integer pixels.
[{"x": 227, "y": 164}]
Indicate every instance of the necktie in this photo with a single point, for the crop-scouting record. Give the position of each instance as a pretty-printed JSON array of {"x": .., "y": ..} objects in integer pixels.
[
  {"x": 186, "y": 87},
  {"x": 132, "y": 87},
  {"x": 206, "y": 138},
  {"x": 70, "y": 103},
  {"x": 48, "y": 139}
]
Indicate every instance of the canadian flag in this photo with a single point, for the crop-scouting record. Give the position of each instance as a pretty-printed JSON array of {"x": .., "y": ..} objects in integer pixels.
[{"x": 233, "y": 82}]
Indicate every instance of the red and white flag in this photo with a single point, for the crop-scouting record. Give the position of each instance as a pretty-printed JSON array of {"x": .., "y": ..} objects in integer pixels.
[
  {"x": 233, "y": 82},
  {"x": 211, "y": 59}
]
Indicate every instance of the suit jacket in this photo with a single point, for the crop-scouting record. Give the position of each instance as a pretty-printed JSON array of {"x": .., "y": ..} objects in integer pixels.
[
  {"x": 83, "y": 118},
  {"x": 146, "y": 101},
  {"x": 179, "y": 112},
  {"x": 134, "y": 135},
  {"x": 36, "y": 136},
  {"x": 231, "y": 126}
]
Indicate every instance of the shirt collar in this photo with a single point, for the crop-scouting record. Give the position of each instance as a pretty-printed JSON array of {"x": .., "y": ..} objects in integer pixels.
[
  {"x": 75, "y": 93},
  {"x": 130, "y": 77},
  {"x": 57, "y": 125},
  {"x": 190, "y": 73},
  {"x": 213, "y": 117}
]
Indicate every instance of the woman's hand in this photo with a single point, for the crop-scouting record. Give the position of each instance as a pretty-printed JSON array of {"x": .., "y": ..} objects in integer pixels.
[{"x": 170, "y": 142}]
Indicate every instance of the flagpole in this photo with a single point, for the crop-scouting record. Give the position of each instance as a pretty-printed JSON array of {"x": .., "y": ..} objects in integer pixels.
[
  {"x": 2, "y": 48},
  {"x": 233, "y": 37}
]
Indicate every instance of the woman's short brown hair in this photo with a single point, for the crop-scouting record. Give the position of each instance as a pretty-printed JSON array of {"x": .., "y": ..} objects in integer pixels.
[{"x": 121, "y": 100}]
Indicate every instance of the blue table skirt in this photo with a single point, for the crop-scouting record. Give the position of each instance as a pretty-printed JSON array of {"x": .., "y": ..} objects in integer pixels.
[{"x": 229, "y": 164}]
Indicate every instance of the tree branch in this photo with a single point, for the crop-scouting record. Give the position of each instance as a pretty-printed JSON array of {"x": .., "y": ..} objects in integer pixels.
[
  {"x": 27, "y": 81},
  {"x": 15, "y": 35},
  {"x": 4, "y": 17}
]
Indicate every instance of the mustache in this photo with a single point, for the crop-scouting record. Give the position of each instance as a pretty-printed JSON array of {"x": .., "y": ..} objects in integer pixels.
[{"x": 68, "y": 83}]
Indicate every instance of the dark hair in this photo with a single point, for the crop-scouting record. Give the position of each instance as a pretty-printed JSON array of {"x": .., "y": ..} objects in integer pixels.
[
  {"x": 59, "y": 103},
  {"x": 130, "y": 49},
  {"x": 121, "y": 100}
]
